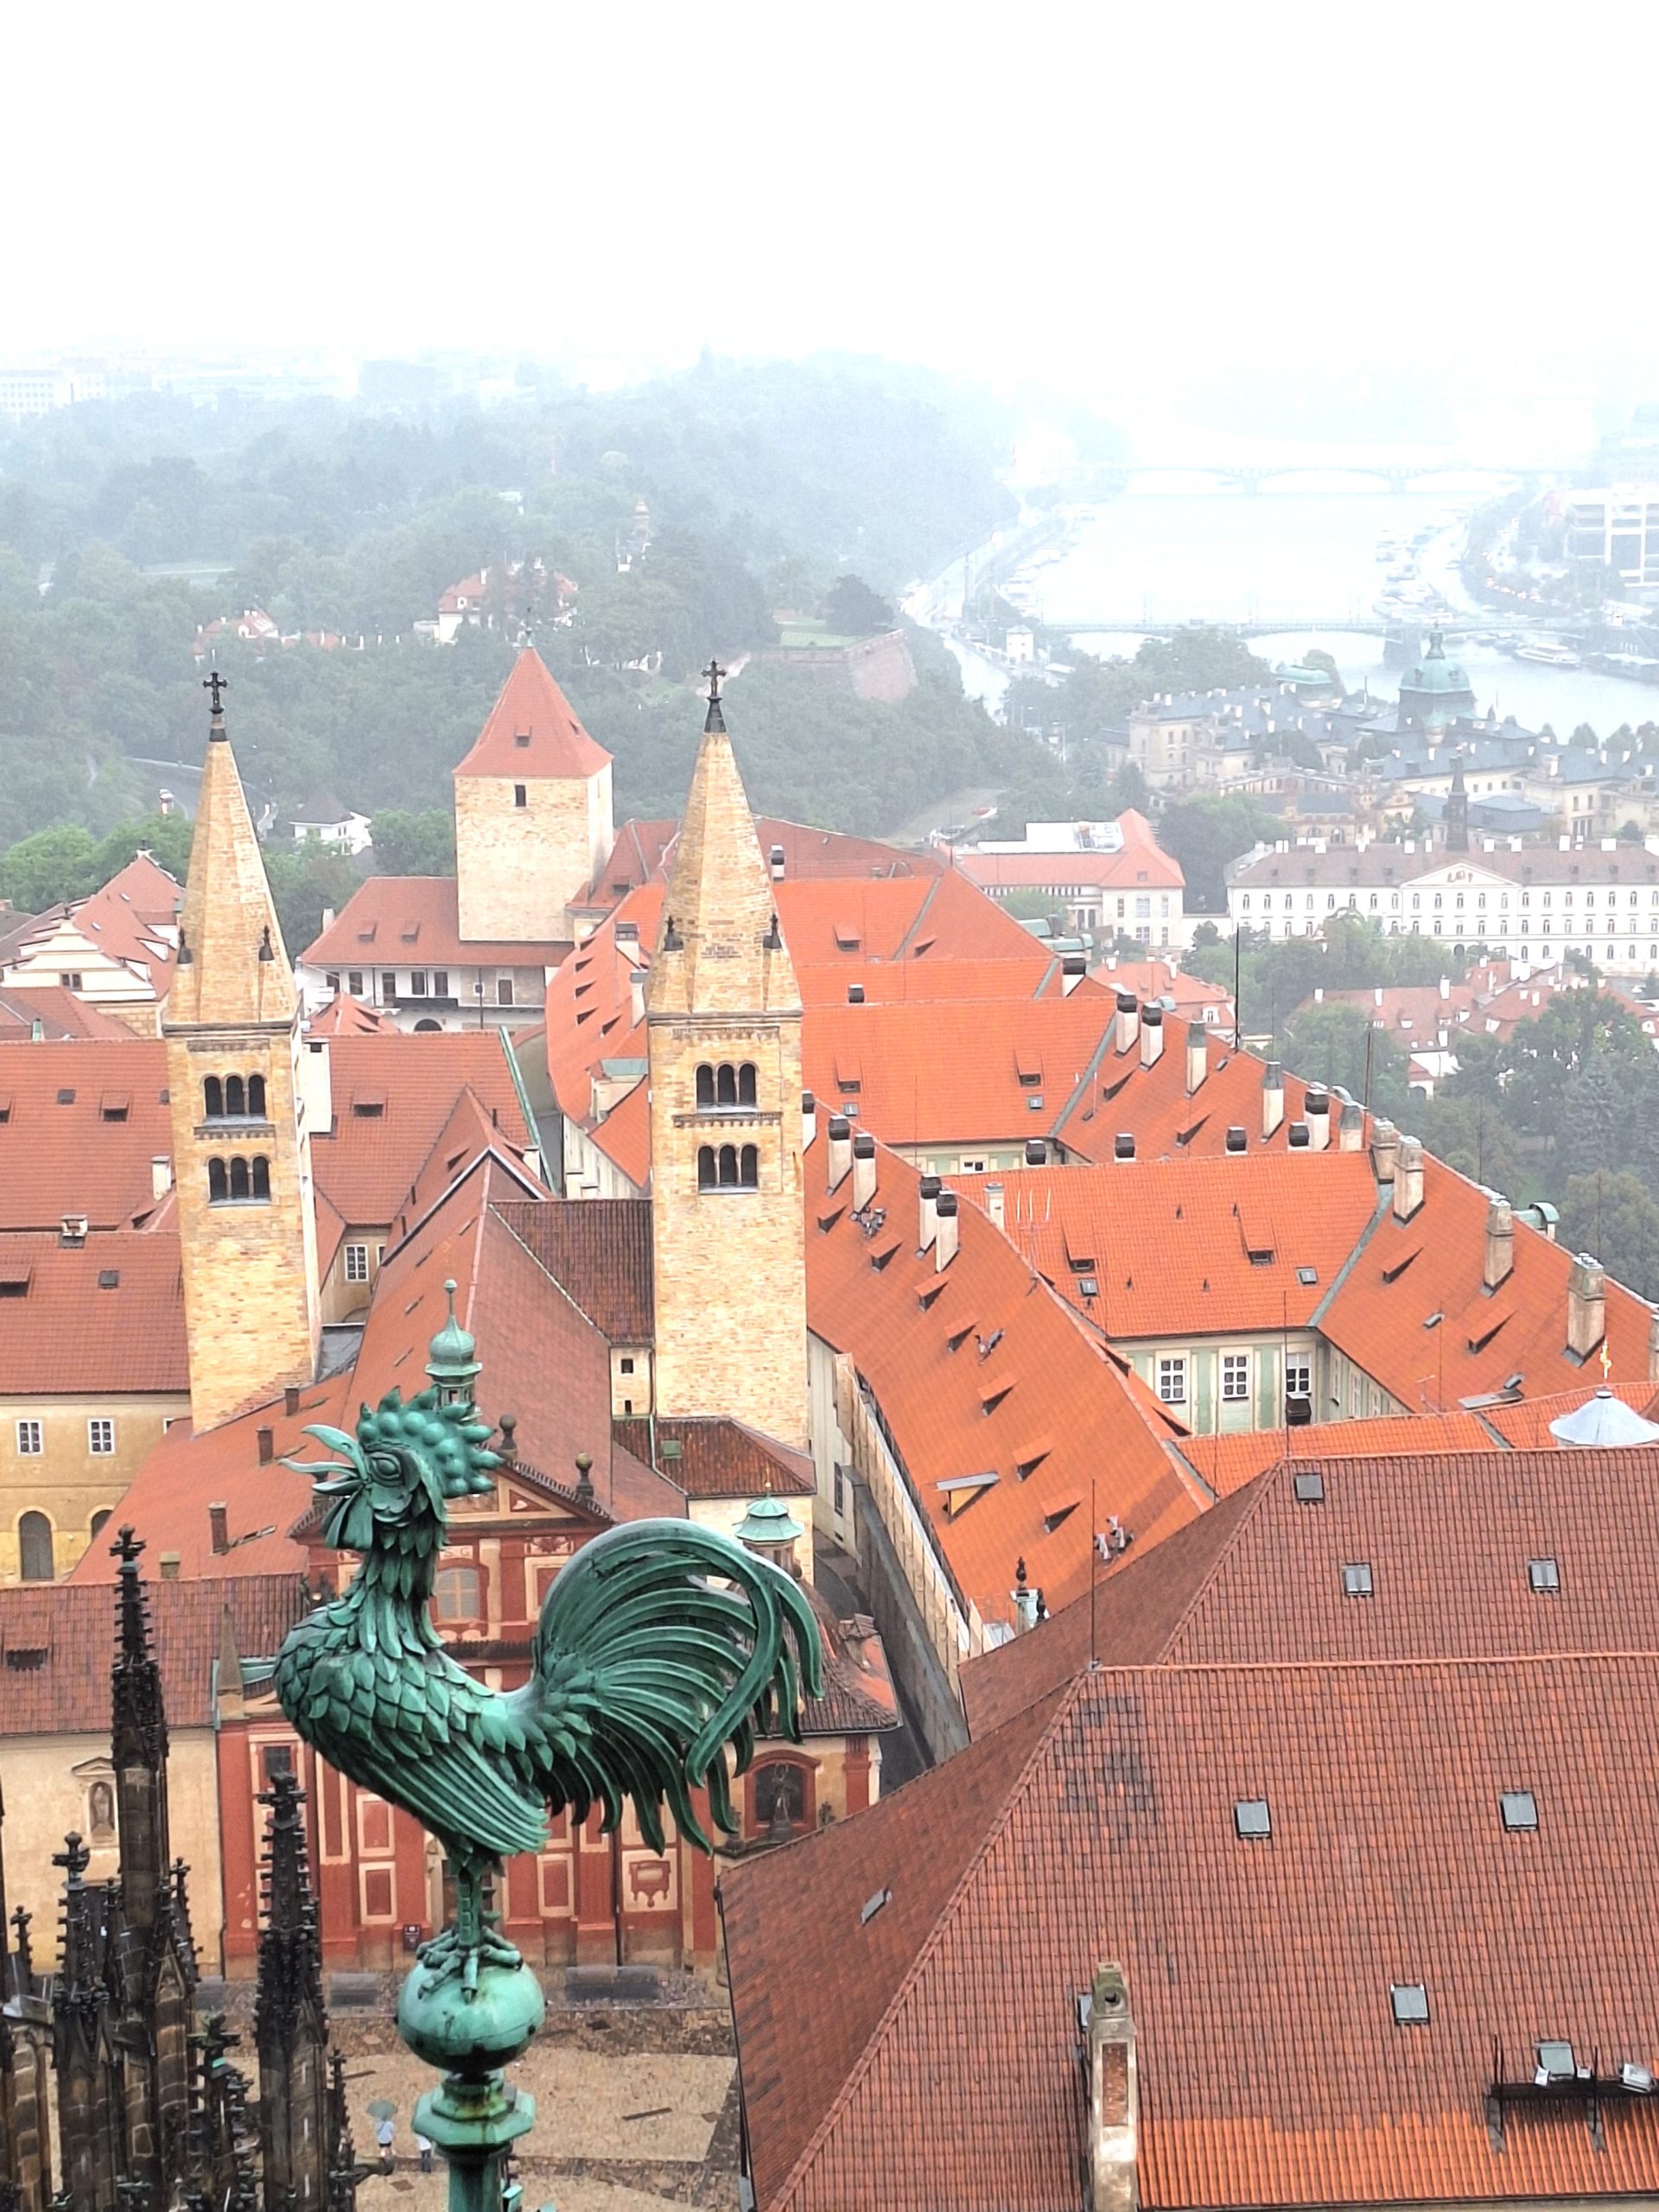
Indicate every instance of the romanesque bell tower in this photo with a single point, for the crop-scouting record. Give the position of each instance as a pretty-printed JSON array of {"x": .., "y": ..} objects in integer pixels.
[
  {"x": 533, "y": 822},
  {"x": 241, "y": 1151},
  {"x": 723, "y": 1025}
]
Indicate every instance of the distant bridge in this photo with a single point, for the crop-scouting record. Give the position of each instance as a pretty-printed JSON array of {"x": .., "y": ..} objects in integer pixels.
[
  {"x": 1384, "y": 476},
  {"x": 1273, "y": 626}
]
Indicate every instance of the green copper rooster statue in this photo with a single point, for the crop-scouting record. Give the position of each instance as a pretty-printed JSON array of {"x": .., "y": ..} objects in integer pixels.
[{"x": 659, "y": 1645}]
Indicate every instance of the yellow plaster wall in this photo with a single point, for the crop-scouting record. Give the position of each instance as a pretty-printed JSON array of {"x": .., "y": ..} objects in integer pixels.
[{"x": 67, "y": 1482}]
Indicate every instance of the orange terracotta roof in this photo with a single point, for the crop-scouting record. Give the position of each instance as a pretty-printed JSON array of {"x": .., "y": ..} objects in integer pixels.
[
  {"x": 533, "y": 730},
  {"x": 392, "y": 1097},
  {"x": 1525, "y": 1423},
  {"x": 79, "y": 1125},
  {"x": 345, "y": 1016},
  {"x": 599, "y": 1253},
  {"x": 132, "y": 918},
  {"x": 1414, "y": 1313},
  {"x": 1113, "y": 1837},
  {"x": 1161, "y": 979},
  {"x": 1227, "y": 1463},
  {"x": 935, "y": 979},
  {"x": 401, "y": 921},
  {"x": 466, "y": 1135},
  {"x": 1045, "y": 1408},
  {"x": 1178, "y": 1247},
  {"x": 642, "y": 848},
  {"x": 713, "y": 1457},
  {"x": 1166, "y": 1121},
  {"x": 65, "y": 1690},
  {"x": 624, "y": 1136},
  {"x": 107, "y": 1315},
  {"x": 61, "y": 1014}
]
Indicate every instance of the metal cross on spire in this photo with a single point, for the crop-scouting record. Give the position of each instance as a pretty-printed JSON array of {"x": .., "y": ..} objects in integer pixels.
[
  {"x": 714, "y": 718},
  {"x": 217, "y": 685}
]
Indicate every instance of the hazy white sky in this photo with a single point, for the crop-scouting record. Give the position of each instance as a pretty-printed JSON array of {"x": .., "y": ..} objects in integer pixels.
[{"x": 1096, "y": 196}]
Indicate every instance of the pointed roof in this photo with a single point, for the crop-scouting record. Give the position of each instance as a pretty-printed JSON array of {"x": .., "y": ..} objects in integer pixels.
[
  {"x": 718, "y": 948},
  {"x": 533, "y": 730},
  {"x": 232, "y": 966},
  {"x": 1604, "y": 1419}
]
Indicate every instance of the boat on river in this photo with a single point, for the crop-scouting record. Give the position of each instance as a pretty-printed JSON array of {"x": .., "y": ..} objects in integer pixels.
[{"x": 1548, "y": 653}]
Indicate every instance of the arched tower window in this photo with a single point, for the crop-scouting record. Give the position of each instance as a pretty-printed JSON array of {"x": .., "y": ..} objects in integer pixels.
[
  {"x": 212, "y": 1098},
  {"x": 725, "y": 1084},
  {"x": 236, "y": 1102},
  {"x": 36, "y": 1561},
  {"x": 745, "y": 1083},
  {"x": 729, "y": 1167},
  {"x": 705, "y": 1087},
  {"x": 748, "y": 1167},
  {"x": 256, "y": 1096},
  {"x": 219, "y": 1188},
  {"x": 705, "y": 1167},
  {"x": 261, "y": 1177},
  {"x": 239, "y": 1184}
]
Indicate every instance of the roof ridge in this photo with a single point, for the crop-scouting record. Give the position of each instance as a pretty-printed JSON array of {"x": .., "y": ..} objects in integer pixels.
[
  {"x": 1257, "y": 1491},
  {"x": 920, "y": 915},
  {"x": 1069, "y": 1694}
]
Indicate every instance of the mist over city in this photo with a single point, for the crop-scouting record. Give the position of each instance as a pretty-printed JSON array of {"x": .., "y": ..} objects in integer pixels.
[{"x": 829, "y": 1109}]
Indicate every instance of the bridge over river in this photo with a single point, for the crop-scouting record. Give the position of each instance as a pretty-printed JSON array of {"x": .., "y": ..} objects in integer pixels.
[
  {"x": 1274, "y": 626},
  {"x": 1341, "y": 479}
]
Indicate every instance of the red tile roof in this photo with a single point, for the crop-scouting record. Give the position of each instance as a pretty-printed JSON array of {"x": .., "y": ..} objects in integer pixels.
[
  {"x": 625, "y": 1136},
  {"x": 713, "y": 1457},
  {"x": 1161, "y": 979},
  {"x": 599, "y": 1252},
  {"x": 392, "y": 1097},
  {"x": 1383, "y": 1315},
  {"x": 1154, "y": 1105},
  {"x": 937, "y": 2061},
  {"x": 79, "y": 1125},
  {"x": 1069, "y": 1437},
  {"x": 642, "y": 848},
  {"x": 1525, "y": 1422},
  {"x": 533, "y": 730},
  {"x": 61, "y": 1014},
  {"x": 107, "y": 1315},
  {"x": 1176, "y": 1248},
  {"x": 345, "y": 1016},
  {"x": 65, "y": 1690},
  {"x": 402, "y": 921},
  {"x": 1227, "y": 1463}
]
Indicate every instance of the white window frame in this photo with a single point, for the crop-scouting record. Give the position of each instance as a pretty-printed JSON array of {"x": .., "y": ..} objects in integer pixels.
[
  {"x": 357, "y": 1263},
  {"x": 31, "y": 1439},
  {"x": 1236, "y": 1378},
  {"x": 100, "y": 1427},
  {"x": 1172, "y": 1378},
  {"x": 1299, "y": 1370}
]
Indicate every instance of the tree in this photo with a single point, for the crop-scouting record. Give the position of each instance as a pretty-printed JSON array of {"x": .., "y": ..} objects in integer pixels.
[
  {"x": 1205, "y": 835},
  {"x": 1331, "y": 1044},
  {"x": 415, "y": 844},
  {"x": 53, "y": 865},
  {"x": 165, "y": 837},
  {"x": 304, "y": 879},
  {"x": 853, "y": 609},
  {"x": 1616, "y": 1218}
]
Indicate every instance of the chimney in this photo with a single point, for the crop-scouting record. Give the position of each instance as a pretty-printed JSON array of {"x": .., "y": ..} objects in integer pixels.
[
  {"x": 947, "y": 1231},
  {"x": 219, "y": 1528},
  {"x": 1500, "y": 1242},
  {"x": 1351, "y": 1126},
  {"x": 1197, "y": 1056},
  {"x": 636, "y": 996},
  {"x": 1074, "y": 966},
  {"x": 808, "y": 1119},
  {"x": 168, "y": 1563},
  {"x": 1385, "y": 1147},
  {"x": 840, "y": 1151},
  {"x": 930, "y": 1211},
  {"x": 291, "y": 1399},
  {"x": 864, "y": 1170},
  {"x": 1152, "y": 1035},
  {"x": 266, "y": 1440},
  {"x": 316, "y": 1087},
  {"x": 1113, "y": 2094},
  {"x": 1408, "y": 1180},
  {"x": 1446, "y": 987},
  {"x": 1129, "y": 1021},
  {"x": 1316, "y": 1111},
  {"x": 1586, "y": 1306},
  {"x": 997, "y": 1212},
  {"x": 1273, "y": 1098},
  {"x": 776, "y": 859},
  {"x": 1025, "y": 1601},
  {"x": 161, "y": 1176}
]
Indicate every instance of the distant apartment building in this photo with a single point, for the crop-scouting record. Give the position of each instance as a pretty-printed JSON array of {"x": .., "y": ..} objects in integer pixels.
[
  {"x": 1109, "y": 877},
  {"x": 1618, "y": 526},
  {"x": 26, "y": 393}
]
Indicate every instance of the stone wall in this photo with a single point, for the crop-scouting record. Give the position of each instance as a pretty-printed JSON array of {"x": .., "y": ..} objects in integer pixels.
[{"x": 518, "y": 867}]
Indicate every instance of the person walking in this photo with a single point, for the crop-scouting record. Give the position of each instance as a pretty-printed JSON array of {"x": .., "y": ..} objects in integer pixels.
[
  {"x": 425, "y": 2150},
  {"x": 383, "y": 2135}
]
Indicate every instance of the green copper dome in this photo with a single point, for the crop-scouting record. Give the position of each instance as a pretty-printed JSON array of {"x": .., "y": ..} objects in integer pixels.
[
  {"x": 1435, "y": 690},
  {"x": 452, "y": 1357},
  {"x": 768, "y": 1522}
]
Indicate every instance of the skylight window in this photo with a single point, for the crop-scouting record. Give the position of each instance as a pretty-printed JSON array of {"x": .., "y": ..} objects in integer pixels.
[
  {"x": 1555, "y": 2062},
  {"x": 870, "y": 1906},
  {"x": 1520, "y": 1810},
  {"x": 1307, "y": 1277},
  {"x": 1309, "y": 1487},
  {"x": 1357, "y": 1579},
  {"x": 1410, "y": 2003},
  {"x": 1543, "y": 1575},
  {"x": 1251, "y": 1817}
]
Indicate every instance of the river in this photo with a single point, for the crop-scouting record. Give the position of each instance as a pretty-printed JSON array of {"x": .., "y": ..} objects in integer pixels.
[{"x": 1166, "y": 555}]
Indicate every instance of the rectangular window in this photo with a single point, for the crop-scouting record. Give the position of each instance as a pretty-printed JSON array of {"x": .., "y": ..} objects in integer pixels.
[
  {"x": 1298, "y": 1378},
  {"x": 100, "y": 1439},
  {"x": 1357, "y": 1579},
  {"x": 388, "y": 983},
  {"x": 1235, "y": 1375},
  {"x": 29, "y": 1446},
  {"x": 355, "y": 982},
  {"x": 418, "y": 983},
  {"x": 357, "y": 1263},
  {"x": 440, "y": 984},
  {"x": 504, "y": 990},
  {"x": 520, "y": 796},
  {"x": 1172, "y": 1380}
]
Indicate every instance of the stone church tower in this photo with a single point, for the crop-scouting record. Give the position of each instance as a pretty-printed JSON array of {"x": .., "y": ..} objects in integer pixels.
[
  {"x": 241, "y": 1151},
  {"x": 723, "y": 1026},
  {"x": 533, "y": 822}
]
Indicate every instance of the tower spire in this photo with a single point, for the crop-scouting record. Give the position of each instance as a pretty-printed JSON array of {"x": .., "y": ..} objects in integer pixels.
[
  {"x": 138, "y": 1747},
  {"x": 238, "y": 970}
]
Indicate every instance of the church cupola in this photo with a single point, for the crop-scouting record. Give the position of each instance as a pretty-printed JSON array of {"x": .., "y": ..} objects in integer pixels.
[
  {"x": 452, "y": 1357},
  {"x": 771, "y": 1530}
]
